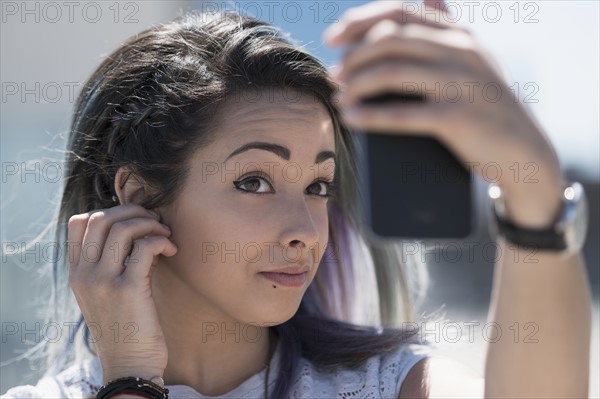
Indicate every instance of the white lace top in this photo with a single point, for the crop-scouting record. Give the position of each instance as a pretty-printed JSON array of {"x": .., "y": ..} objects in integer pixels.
[{"x": 379, "y": 377}]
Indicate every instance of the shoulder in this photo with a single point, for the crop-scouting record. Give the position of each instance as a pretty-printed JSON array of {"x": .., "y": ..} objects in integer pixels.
[
  {"x": 379, "y": 376},
  {"x": 439, "y": 377},
  {"x": 81, "y": 380}
]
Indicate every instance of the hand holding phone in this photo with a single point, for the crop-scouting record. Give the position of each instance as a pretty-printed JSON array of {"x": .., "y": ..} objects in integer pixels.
[{"x": 411, "y": 185}]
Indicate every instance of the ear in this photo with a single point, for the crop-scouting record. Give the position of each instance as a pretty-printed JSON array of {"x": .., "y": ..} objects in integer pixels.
[{"x": 128, "y": 186}]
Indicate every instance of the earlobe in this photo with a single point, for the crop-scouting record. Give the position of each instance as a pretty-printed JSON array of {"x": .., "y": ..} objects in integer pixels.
[{"x": 129, "y": 188}]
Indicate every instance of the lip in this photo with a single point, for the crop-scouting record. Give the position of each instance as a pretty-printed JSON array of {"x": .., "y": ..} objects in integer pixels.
[
  {"x": 299, "y": 269},
  {"x": 286, "y": 279}
]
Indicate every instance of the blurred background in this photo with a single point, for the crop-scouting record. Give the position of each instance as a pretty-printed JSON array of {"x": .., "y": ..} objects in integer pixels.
[{"x": 548, "y": 50}]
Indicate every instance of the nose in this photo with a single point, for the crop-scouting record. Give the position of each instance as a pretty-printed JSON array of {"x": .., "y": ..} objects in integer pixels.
[{"x": 300, "y": 231}]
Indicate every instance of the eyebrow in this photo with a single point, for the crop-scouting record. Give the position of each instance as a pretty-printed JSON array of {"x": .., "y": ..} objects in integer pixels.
[{"x": 279, "y": 150}]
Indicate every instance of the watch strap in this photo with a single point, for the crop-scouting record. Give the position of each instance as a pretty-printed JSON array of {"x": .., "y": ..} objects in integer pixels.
[
  {"x": 566, "y": 233},
  {"x": 547, "y": 238}
]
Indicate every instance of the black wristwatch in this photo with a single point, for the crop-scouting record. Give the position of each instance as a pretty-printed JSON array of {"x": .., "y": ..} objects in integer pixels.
[{"x": 565, "y": 235}]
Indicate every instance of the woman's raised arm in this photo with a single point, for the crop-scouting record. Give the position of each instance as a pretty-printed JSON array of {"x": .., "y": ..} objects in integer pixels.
[{"x": 388, "y": 47}]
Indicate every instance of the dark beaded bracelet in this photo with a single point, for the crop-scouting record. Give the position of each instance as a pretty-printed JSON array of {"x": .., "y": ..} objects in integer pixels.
[{"x": 133, "y": 385}]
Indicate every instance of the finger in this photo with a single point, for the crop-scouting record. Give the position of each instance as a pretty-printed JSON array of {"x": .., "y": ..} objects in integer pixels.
[
  {"x": 412, "y": 41},
  {"x": 437, "y": 4},
  {"x": 416, "y": 119},
  {"x": 75, "y": 232},
  {"x": 358, "y": 20},
  {"x": 419, "y": 80},
  {"x": 145, "y": 254},
  {"x": 119, "y": 243},
  {"x": 98, "y": 226}
]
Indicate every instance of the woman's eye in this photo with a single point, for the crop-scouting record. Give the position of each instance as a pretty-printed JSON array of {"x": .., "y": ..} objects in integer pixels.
[
  {"x": 260, "y": 185},
  {"x": 253, "y": 184},
  {"x": 321, "y": 188}
]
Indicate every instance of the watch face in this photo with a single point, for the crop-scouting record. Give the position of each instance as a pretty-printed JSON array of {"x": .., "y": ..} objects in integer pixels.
[{"x": 576, "y": 219}]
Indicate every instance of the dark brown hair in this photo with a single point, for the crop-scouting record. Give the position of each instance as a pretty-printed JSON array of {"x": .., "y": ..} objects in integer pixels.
[{"x": 152, "y": 103}]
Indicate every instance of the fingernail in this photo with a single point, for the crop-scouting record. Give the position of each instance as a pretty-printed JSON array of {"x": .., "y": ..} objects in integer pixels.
[
  {"x": 333, "y": 70},
  {"x": 328, "y": 33},
  {"x": 155, "y": 214},
  {"x": 332, "y": 33}
]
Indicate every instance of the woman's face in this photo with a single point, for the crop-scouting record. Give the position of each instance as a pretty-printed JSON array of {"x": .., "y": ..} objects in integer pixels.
[{"x": 226, "y": 235}]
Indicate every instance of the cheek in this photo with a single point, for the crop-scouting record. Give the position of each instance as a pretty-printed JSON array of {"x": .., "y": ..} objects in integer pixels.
[
  {"x": 324, "y": 240},
  {"x": 218, "y": 232},
  {"x": 209, "y": 258},
  {"x": 320, "y": 248}
]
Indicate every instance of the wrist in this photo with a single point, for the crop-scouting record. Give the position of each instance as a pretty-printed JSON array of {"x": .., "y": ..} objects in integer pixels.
[
  {"x": 145, "y": 373},
  {"x": 565, "y": 234},
  {"x": 537, "y": 204},
  {"x": 133, "y": 388}
]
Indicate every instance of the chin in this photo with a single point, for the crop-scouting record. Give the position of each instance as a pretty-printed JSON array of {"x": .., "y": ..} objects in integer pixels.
[{"x": 273, "y": 315}]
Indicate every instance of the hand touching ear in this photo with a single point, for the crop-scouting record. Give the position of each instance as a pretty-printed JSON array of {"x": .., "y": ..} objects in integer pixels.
[{"x": 112, "y": 253}]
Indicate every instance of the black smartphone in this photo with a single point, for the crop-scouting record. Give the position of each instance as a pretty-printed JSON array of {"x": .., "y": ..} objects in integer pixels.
[{"x": 411, "y": 185}]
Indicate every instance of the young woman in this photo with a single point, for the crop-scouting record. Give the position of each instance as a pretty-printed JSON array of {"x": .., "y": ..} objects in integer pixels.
[{"x": 210, "y": 217}]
